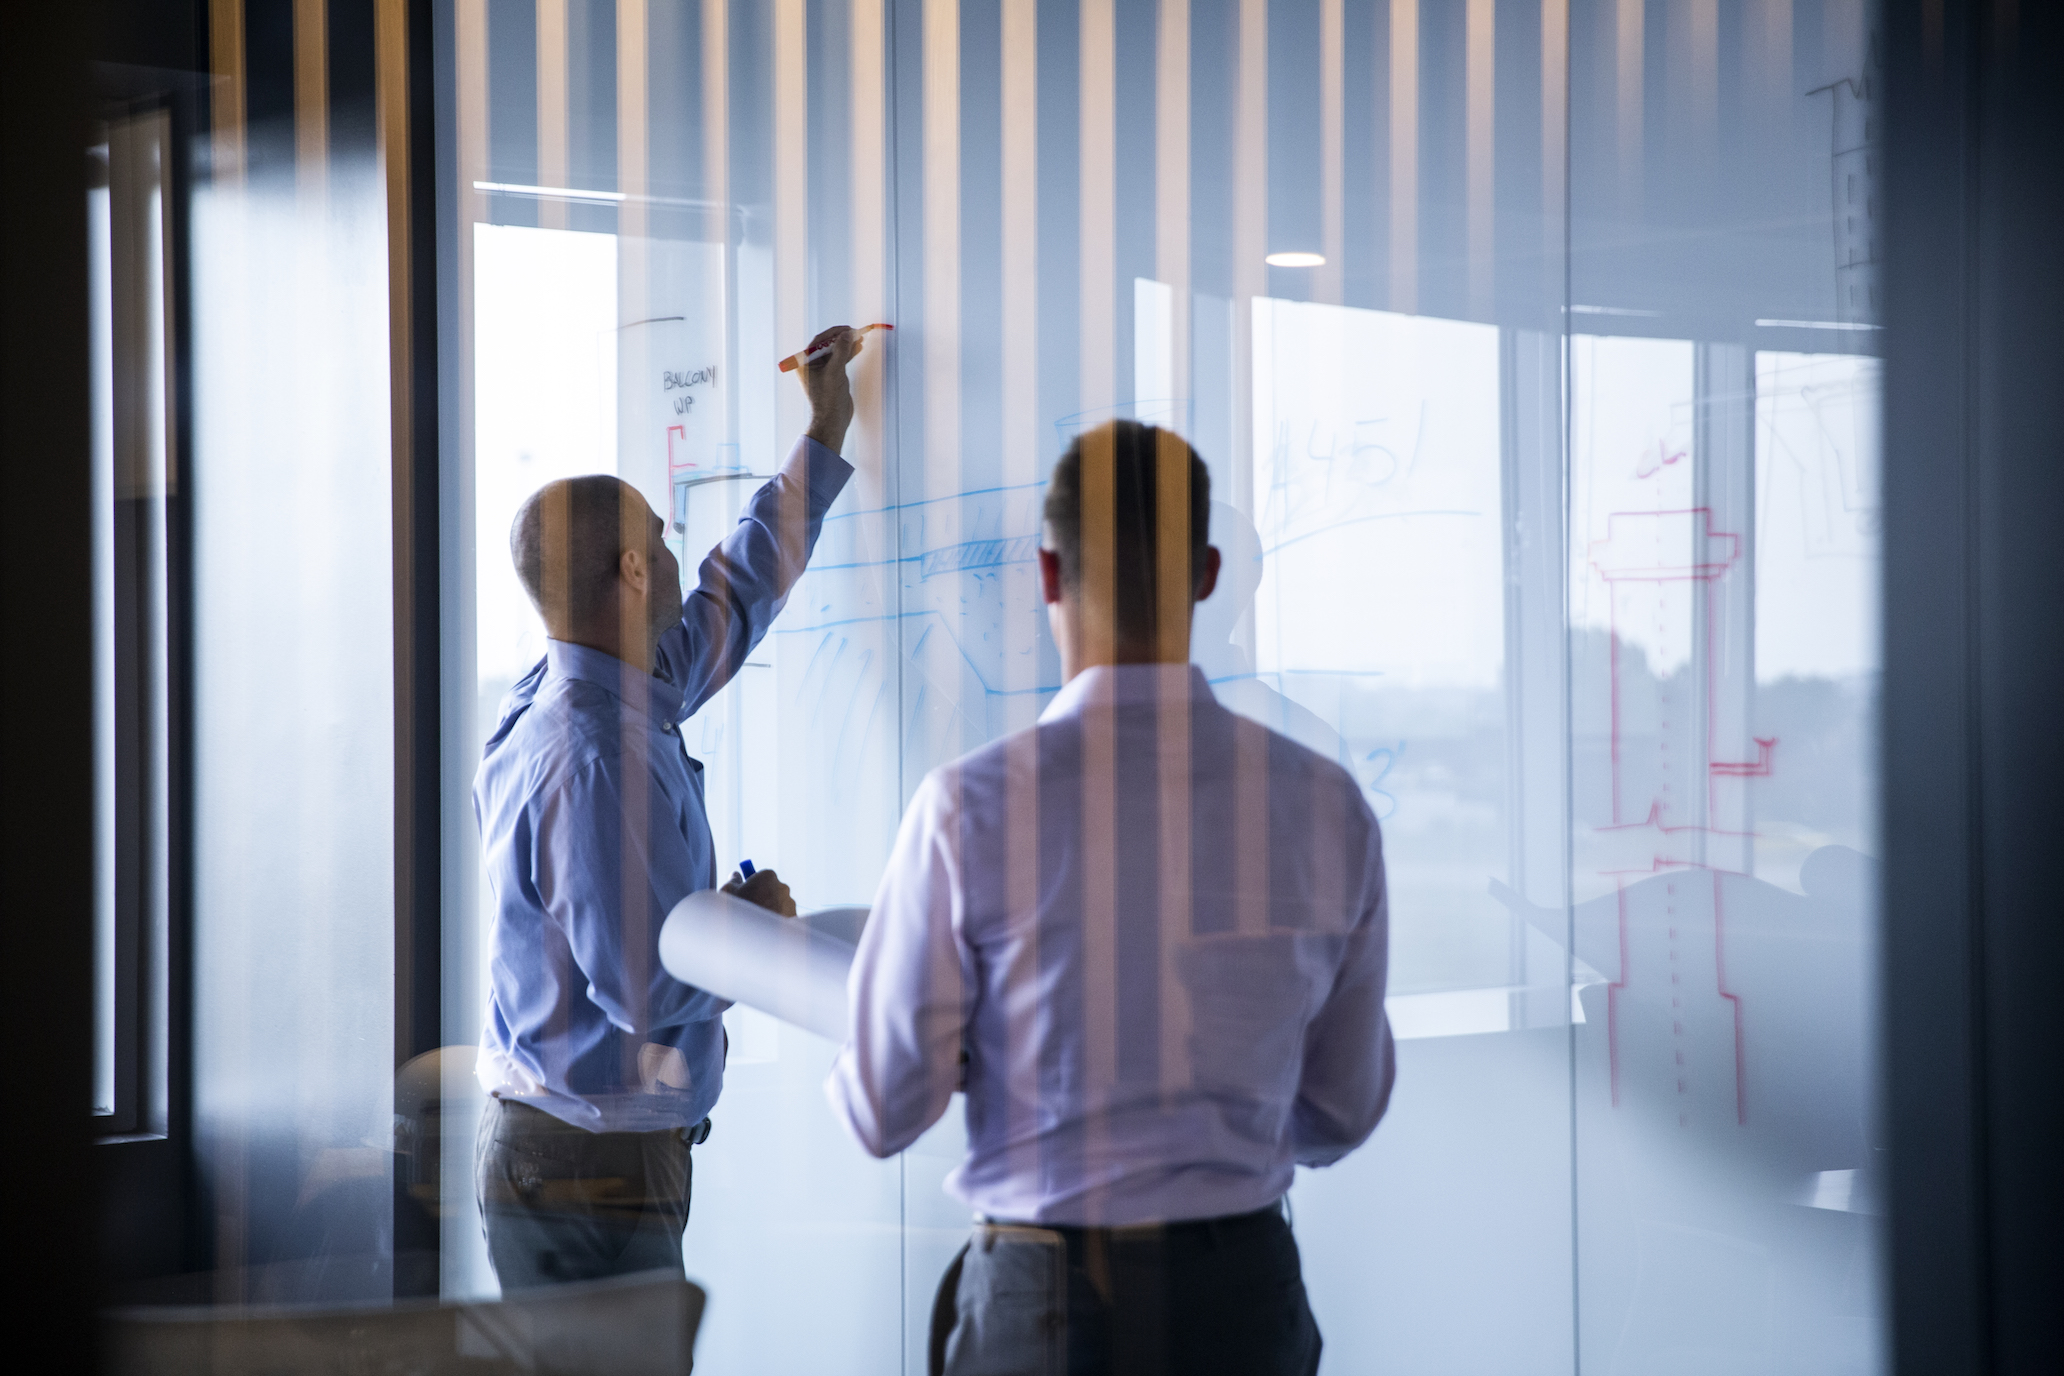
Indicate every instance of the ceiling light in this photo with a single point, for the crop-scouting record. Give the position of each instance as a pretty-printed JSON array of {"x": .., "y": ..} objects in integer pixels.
[
  {"x": 1815, "y": 325},
  {"x": 1296, "y": 260}
]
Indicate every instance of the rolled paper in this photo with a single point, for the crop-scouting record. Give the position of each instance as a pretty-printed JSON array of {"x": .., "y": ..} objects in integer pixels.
[
  {"x": 787, "y": 968},
  {"x": 843, "y": 923}
]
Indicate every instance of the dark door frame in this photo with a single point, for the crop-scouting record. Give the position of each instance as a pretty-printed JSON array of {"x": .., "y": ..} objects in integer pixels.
[{"x": 1973, "y": 748}]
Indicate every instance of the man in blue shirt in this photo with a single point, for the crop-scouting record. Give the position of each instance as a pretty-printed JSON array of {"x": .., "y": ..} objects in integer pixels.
[{"x": 601, "y": 1067}]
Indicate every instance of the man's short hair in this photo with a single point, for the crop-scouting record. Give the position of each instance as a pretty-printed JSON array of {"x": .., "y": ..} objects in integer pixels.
[
  {"x": 1115, "y": 476},
  {"x": 568, "y": 543}
]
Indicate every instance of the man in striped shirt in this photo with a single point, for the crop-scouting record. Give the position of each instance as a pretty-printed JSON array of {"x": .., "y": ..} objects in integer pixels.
[{"x": 1148, "y": 937}]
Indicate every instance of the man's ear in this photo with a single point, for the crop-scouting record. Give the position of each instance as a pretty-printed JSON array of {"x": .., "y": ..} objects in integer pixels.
[
  {"x": 1208, "y": 579},
  {"x": 633, "y": 569},
  {"x": 1049, "y": 576}
]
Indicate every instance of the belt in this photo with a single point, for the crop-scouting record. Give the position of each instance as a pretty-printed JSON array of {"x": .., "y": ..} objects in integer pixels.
[
  {"x": 1180, "y": 1230},
  {"x": 694, "y": 1135}
]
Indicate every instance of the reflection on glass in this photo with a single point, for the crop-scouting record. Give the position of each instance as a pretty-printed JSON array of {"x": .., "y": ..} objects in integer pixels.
[
  {"x": 1723, "y": 672},
  {"x": 1377, "y": 476},
  {"x": 293, "y": 724},
  {"x": 1547, "y": 502},
  {"x": 1723, "y": 655}
]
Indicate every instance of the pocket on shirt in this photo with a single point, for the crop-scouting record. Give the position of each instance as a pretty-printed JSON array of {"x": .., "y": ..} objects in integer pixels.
[{"x": 1250, "y": 999}]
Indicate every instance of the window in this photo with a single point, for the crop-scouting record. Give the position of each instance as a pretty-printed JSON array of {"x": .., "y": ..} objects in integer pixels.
[{"x": 128, "y": 219}]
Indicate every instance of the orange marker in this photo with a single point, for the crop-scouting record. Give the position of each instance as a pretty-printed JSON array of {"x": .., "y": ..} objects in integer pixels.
[{"x": 788, "y": 365}]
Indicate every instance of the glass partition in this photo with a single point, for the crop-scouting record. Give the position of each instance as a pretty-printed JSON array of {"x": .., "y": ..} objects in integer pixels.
[
  {"x": 1547, "y": 503},
  {"x": 293, "y": 724},
  {"x": 1724, "y": 680}
]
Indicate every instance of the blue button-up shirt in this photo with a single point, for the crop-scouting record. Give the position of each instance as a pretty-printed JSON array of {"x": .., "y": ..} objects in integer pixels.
[
  {"x": 1158, "y": 931},
  {"x": 592, "y": 827}
]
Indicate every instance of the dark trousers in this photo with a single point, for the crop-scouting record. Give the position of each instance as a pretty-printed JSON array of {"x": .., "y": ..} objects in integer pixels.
[
  {"x": 560, "y": 1203},
  {"x": 1176, "y": 1299}
]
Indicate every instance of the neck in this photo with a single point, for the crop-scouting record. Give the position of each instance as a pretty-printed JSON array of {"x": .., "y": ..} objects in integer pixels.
[
  {"x": 635, "y": 651},
  {"x": 1085, "y": 647}
]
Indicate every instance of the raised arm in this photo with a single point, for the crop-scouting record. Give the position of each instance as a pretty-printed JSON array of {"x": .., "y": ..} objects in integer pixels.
[{"x": 743, "y": 582}]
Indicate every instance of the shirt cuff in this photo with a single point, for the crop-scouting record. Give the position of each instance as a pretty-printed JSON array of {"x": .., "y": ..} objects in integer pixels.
[{"x": 822, "y": 473}]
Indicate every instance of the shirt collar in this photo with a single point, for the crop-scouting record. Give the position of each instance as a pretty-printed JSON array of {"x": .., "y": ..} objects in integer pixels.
[
  {"x": 1121, "y": 685},
  {"x": 655, "y": 697}
]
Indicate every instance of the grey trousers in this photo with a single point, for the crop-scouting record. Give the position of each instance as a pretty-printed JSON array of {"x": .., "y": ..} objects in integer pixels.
[
  {"x": 1222, "y": 1295},
  {"x": 560, "y": 1203}
]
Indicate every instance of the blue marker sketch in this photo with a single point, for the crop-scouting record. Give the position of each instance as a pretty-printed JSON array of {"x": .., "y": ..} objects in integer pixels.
[
  {"x": 1374, "y": 768},
  {"x": 946, "y": 629}
]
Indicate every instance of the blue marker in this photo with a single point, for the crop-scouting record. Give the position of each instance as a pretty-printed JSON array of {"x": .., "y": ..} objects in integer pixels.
[{"x": 745, "y": 868}]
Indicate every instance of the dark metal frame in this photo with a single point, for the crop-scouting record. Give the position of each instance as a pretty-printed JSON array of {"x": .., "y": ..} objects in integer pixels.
[
  {"x": 142, "y": 1014},
  {"x": 418, "y": 888},
  {"x": 46, "y": 729},
  {"x": 1974, "y": 653},
  {"x": 418, "y": 600},
  {"x": 149, "y": 1216}
]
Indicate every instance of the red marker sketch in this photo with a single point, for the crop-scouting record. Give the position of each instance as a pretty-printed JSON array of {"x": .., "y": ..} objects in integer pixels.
[
  {"x": 1758, "y": 768},
  {"x": 1651, "y": 547},
  {"x": 1652, "y": 550},
  {"x": 673, "y": 464},
  {"x": 1664, "y": 457},
  {"x": 1741, "y": 1066},
  {"x": 1614, "y": 988}
]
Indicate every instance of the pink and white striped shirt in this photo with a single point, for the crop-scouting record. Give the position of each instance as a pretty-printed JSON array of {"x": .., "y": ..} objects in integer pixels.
[{"x": 1159, "y": 931}]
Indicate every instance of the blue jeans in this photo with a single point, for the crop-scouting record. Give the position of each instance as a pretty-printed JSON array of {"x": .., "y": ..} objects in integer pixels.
[{"x": 560, "y": 1203}]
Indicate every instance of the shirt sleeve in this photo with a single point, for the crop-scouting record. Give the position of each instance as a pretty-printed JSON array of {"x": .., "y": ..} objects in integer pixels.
[
  {"x": 899, "y": 1067},
  {"x": 1350, "y": 1060},
  {"x": 609, "y": 886},
  {"x": 743, "y": 582}
]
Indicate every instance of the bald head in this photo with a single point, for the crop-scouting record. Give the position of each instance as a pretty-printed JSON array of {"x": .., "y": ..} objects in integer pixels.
[{"x": 568, "y": 543}]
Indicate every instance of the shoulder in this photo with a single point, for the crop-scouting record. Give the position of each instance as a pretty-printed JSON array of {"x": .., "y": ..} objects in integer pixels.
[
  {"x": 1296, "y": 766},
  {"x": 985, "y": 774},
  {"x": 565, "y": 739},
  {"x": 1289, "y": 755},
  {"x": 990, "y": 766},
  {"x": 974, "y": 790}
]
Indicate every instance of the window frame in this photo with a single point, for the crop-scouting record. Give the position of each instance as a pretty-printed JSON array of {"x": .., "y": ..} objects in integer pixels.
[{"x": 141, "y": 842}]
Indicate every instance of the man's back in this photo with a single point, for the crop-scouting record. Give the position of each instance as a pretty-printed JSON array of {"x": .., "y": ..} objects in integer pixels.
[
  {"x": 1160, "y": 928},
  {"x": 592, "y": 827}
]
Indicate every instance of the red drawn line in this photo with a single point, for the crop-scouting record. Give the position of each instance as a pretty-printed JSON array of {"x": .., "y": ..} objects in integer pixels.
[
  {"x": 1705, "y": 564},
  {"x": 1712, "y": 698},
  {"x": 1655, "y": 821},
  {"x": 1612, "y": 997},
  {"x": 1700, "y": 568},
  {"x": 1662, "y": 450},
  {"x": 1758, "y": 768},
  {"x": 1741, "y": 1073},
  {"x": 671, "y": 431},
  {"x": 1657, "y": 866},
  {"x": 1612, "y": 603}
]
